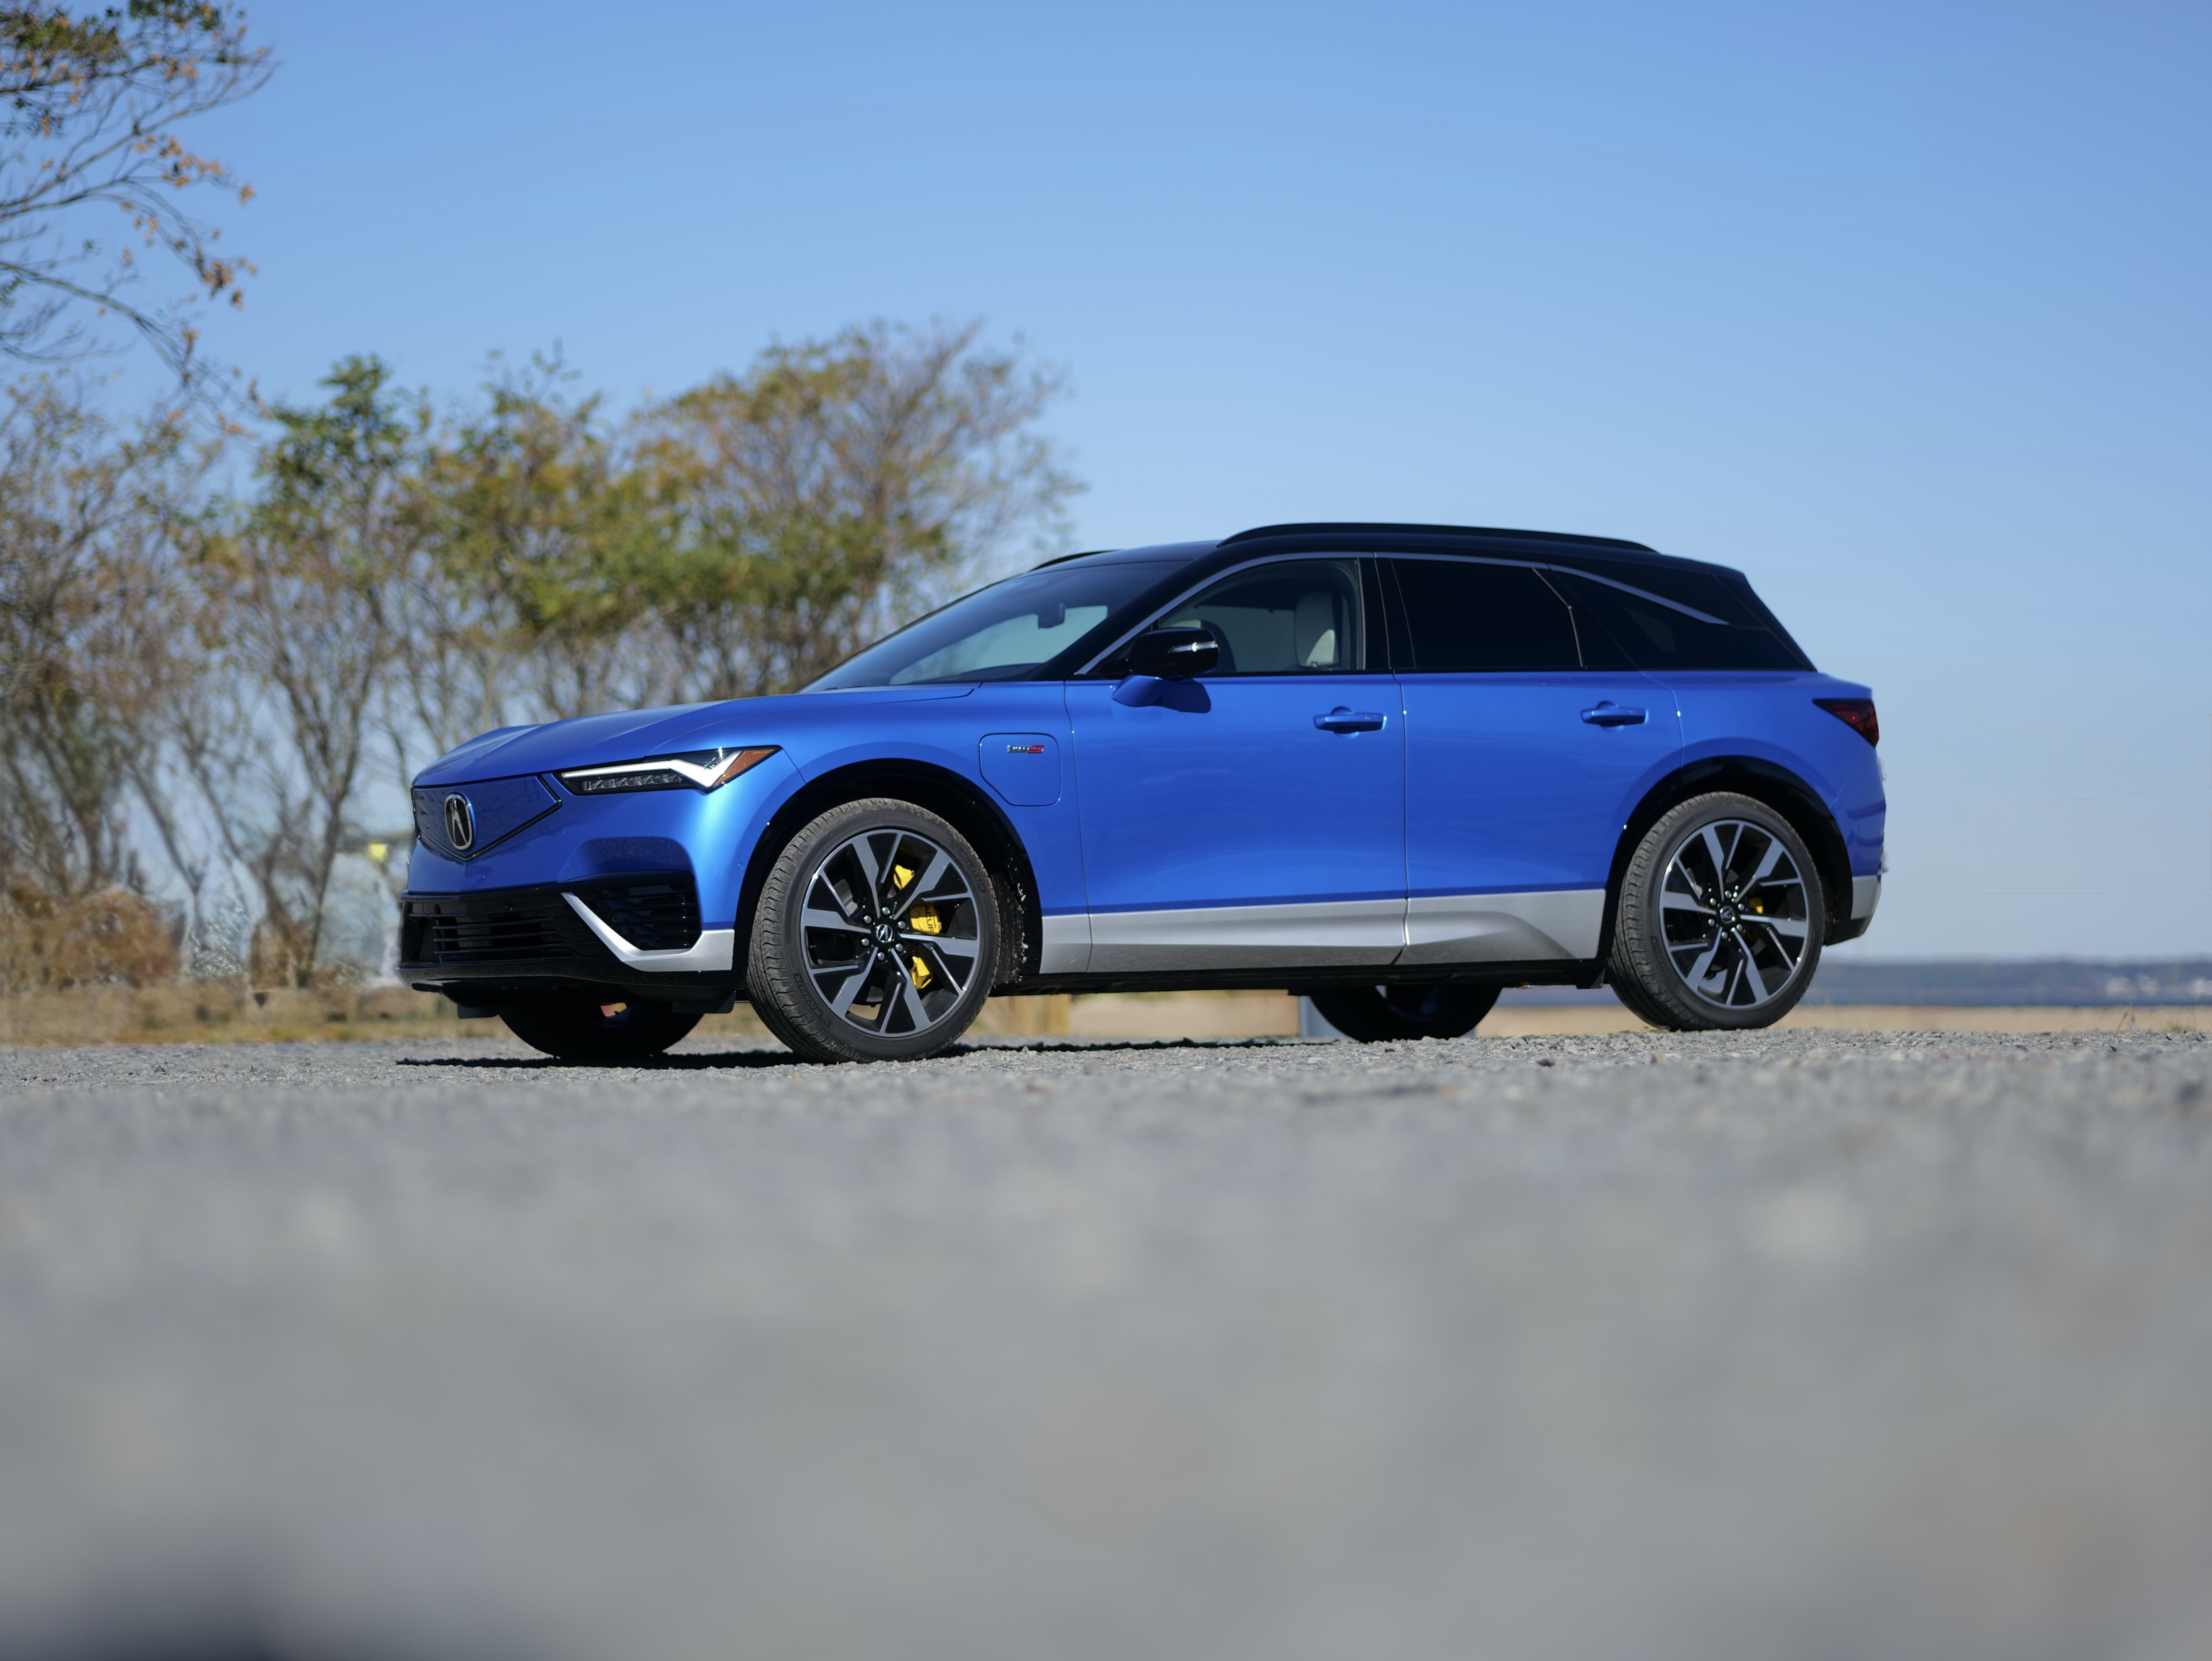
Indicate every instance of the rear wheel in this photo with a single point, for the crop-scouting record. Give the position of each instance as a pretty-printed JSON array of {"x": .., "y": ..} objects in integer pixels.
[
  {"x": 876, "y": 937},
  {"x": 1721, "y": 920},
  {"x": 582, "y": 1029},
  {"x": 1376, "y": 1014},
  {"x": 1638, "y": 1003}
]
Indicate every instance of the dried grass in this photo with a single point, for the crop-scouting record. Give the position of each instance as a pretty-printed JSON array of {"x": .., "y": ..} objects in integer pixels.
[{"x": 49, "y": 943}]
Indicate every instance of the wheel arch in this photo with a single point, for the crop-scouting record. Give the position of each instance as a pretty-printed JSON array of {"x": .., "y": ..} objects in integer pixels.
[
  {"x": 1762, "y": 781},
  {"x": 960, "y": 801}
]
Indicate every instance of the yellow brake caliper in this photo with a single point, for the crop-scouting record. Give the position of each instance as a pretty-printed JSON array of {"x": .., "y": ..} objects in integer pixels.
[{"x": 922, "y": 919}]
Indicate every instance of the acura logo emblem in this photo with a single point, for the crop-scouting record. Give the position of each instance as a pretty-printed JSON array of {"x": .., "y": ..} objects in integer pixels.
[{"x": 460, "y": 824}]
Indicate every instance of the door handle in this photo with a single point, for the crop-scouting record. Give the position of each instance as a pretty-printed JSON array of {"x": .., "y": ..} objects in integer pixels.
[
  {"x": 1342, "y": 720},
  {"x": 1609, "y": 714}
]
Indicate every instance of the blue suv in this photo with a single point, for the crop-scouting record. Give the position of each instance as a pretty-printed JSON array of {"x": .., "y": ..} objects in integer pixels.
[{"x": 1394, "y": 767}]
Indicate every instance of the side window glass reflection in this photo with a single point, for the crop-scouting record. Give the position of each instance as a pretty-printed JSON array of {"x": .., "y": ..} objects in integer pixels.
[{"x": 1295, "y": 617}]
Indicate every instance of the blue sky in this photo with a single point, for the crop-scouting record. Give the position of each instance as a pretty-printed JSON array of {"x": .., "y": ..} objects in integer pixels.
[{"x": 1902, "y": 309}]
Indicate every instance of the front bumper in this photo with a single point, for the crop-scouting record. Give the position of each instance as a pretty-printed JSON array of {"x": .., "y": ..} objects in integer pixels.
[{"x": 637, "y": 936}]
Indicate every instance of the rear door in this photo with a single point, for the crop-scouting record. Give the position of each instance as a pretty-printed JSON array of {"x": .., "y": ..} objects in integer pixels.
[
  {"x": 1253, "y": 818},
  {"x": 1523, "y": 760}
]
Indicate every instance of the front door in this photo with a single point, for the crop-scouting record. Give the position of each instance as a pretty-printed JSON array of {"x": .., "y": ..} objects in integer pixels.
[
  {"x": 1253, "y": 818},
  {"x": 1524, "y": 759}
]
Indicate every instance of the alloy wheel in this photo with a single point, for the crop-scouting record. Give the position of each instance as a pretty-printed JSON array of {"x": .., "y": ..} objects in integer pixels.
[
  {"x": 1735, "y": 916},
  {"x": 890, "y": 926}
]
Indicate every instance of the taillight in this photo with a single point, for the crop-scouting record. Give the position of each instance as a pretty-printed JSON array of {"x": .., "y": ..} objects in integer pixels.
[{"x": 1857, "y": 714}]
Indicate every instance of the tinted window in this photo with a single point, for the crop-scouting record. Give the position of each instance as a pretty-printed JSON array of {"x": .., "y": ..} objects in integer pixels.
[
  {"x": 1005, "y": 632},
  {"x": 1465, "y": 616},
  {"x": 1701, "y": 591},
  {"x": 1659, "y": 637},
  {"x": 1300, "y": 616}
]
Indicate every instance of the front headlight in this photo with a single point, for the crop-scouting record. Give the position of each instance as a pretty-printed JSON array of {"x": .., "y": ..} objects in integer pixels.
[{"x": 694, "y": 769}]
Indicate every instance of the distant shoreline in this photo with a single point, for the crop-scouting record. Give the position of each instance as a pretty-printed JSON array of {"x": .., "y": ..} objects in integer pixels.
[{"x": 1977, "y": 983}]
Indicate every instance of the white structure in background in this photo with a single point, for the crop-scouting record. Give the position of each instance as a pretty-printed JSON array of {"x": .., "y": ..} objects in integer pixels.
[{"x": 1310, "y": 1024}]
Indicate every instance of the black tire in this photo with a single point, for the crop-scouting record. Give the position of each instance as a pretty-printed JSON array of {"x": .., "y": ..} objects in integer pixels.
[
  {"x": 1379, "y": 1014},
  {"x": 1633, "y": 1000},
  {"x": 819, "y": 953},
  {"x": 1721, "y": 918},
  {"x": 582, "y": 1029}
]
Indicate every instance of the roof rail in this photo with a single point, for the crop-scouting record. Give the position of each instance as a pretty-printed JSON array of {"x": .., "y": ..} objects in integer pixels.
[{"x": 1259, "y": 531}]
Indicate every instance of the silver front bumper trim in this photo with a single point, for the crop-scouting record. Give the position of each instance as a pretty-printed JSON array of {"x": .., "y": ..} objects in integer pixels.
[{"x": 712, "y": 953}]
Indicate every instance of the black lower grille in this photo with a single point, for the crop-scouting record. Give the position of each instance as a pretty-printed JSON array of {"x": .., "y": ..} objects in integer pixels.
[
  {"x": 653, "y": 915},
  {"x": 505, "y": 931},
  {"x": 482, "y": 932}
]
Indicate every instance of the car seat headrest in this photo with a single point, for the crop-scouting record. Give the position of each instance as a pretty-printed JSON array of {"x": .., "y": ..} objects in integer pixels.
[{"x": 1314, "y": 633}]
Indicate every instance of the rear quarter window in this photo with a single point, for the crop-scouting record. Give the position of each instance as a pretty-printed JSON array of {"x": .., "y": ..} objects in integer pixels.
[{"x": 1657, "y": 636}]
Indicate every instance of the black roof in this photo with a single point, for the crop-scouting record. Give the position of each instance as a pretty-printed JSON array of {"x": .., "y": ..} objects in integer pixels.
[
  {"x": 1541, "y": 547},
  {"x": 1267, "y": 532}
]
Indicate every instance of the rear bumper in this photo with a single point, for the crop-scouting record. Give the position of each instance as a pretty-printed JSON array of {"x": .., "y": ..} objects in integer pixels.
[
  {"x": 638, "y": 936},
  {"x": 1866, "y": 895}
]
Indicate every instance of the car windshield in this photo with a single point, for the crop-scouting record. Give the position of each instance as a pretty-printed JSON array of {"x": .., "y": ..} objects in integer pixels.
[{"x": 1005, "y": 632}]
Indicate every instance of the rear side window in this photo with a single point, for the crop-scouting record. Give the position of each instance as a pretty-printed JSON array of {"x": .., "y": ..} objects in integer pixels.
[
  {"x": 1659, "y": 637},
  {"x": 1464, "y": 615}
]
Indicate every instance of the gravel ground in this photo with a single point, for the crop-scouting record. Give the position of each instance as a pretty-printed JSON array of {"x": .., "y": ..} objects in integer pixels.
[{"x": 1801, "y": 1345}]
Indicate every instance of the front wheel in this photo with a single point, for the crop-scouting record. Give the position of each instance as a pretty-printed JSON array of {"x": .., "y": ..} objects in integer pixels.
[
  {"x": 1377, "y": 1015},
  {"x": 876, "y": 935},
  {"x": 1721, "y": 920},
  {"x": 582, "y": 1029}
]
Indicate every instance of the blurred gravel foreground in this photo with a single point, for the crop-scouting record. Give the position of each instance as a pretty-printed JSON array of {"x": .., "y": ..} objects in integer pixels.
[{"x": 1646, "y": 1346}]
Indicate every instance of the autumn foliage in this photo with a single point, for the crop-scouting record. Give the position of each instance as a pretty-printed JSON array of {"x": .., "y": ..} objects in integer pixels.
[{"x": 211, "y": 699}]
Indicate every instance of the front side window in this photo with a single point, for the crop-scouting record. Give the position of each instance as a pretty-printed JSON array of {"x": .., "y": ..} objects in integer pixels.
[
  {"x": 1006, "y": 632},
  {"x": 1302, "y": 617},
  {"x": 1462, "y": 616}
]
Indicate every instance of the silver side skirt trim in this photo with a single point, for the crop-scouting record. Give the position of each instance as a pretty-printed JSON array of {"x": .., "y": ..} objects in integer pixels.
[
  {"x": 1248, "y": 936},
  {"x": 1866, "y": 894},
  {"x": 1065, "y": 945},
  {"x": 1505, "y": 927},
  {"x": 713, "y": 951}
]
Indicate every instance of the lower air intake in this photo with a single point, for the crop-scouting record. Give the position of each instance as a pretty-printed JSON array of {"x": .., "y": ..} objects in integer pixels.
[
  {"x": 655, "y": 914},
  {"x": 527, "y": 932}
]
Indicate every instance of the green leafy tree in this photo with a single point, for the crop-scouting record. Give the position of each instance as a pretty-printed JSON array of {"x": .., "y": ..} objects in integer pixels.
[
  {"x": 523, "y": 600},
  {"x": 219, "y": 679},
  {"x": 836, "y": 489}
]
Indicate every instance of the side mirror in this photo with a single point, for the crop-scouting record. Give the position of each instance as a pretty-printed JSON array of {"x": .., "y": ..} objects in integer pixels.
[{"x": 1174, "y": 654}]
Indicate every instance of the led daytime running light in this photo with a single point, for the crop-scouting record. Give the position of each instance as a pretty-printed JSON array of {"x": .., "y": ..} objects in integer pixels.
[{"x": 698, "y": 769}]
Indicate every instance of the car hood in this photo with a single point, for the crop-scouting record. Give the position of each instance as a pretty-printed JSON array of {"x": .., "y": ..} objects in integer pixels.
[{"x": 641, "y": 735}]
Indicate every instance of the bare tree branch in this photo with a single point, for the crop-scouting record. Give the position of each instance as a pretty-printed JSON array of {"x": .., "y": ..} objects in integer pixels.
[{"x": 92, "y": 104}]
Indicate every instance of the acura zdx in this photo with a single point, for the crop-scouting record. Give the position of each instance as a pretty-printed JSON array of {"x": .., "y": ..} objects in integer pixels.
[{"x": 1393, "y": 768}]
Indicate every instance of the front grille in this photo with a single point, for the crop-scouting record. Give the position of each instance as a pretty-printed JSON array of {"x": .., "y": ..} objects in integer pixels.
[
  {"x": 497, "y": 808},
  {"x": 503, "y": 929},
  {"x": 658, "y": 914}
]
